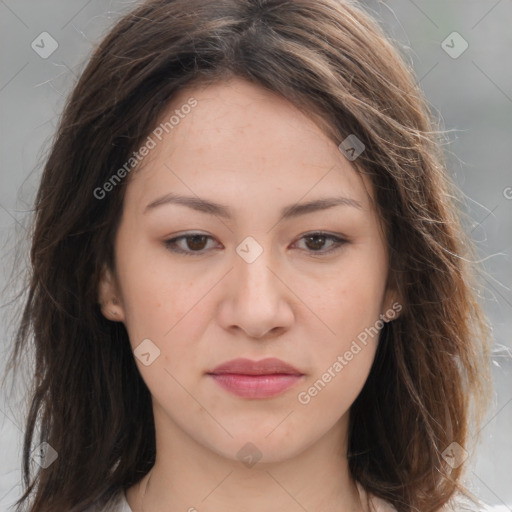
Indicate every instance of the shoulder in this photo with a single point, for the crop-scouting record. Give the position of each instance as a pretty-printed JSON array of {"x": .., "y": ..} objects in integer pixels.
[
  {"x": 379, "y": 505},
  {"x": 117, "y": 503},
  {"x": 458, "y": 503},
  {"x": 466, "y": 503},
  {"x": 376, "y": 504}
]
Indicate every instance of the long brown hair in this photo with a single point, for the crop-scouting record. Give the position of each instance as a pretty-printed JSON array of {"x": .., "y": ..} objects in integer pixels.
[{"x": 333, "y": 61}]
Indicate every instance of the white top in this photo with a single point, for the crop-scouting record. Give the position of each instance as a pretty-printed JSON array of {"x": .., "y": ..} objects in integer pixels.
[
  {"x": 123, "y": 505},
  {"x": 119, "y": 504}
]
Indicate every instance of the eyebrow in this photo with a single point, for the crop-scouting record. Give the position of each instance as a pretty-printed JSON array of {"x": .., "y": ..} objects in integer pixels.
[{"x": 220, "y": 210}]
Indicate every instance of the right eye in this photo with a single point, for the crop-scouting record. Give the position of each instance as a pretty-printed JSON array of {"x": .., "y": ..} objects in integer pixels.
[{"x": 194, "y": 244}]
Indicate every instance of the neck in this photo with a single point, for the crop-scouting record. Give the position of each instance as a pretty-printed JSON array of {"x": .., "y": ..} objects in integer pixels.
[{"x": 187, "y": 476}]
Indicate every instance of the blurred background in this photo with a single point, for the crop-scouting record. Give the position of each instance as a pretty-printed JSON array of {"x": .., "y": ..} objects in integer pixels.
[{"x": 460, "y": 51}]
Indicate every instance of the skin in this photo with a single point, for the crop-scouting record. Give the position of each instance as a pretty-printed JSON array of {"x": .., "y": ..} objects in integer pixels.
[{"x": 255, "y": 152}]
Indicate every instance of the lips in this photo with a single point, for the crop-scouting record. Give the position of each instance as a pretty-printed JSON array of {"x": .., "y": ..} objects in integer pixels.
[
  {"x": 256, "y": 379},
  {"x": 267, "y": 366}
]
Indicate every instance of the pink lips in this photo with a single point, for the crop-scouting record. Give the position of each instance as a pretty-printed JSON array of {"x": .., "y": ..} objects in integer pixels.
[{"x": 256, "y": 379}]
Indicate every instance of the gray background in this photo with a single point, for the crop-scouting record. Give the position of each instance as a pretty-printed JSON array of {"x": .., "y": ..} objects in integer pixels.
[{"x": 471, "y": 93}]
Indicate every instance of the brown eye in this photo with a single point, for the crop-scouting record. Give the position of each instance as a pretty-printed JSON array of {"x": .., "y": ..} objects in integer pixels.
[
  {"x": 315, "y": 242},
  {"x": 194, "y": 243},
  {"x": 198, "y": 242}
]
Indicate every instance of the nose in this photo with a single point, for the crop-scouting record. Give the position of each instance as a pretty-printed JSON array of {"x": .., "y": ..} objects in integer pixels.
[{"x": 257, "y": 297}]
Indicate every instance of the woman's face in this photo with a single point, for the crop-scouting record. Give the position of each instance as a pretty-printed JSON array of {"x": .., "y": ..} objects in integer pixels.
[{"x": 252, "y": 280}]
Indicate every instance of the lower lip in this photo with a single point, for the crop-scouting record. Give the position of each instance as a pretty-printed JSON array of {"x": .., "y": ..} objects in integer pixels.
[{"x": 256, "y": 386}]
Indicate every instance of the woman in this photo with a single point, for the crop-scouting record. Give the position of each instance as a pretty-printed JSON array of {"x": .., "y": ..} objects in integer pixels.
[{"x": 249, "y": 286}]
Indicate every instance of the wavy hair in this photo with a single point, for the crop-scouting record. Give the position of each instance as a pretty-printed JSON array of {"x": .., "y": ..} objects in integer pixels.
[{"x": 331, "y": 59}]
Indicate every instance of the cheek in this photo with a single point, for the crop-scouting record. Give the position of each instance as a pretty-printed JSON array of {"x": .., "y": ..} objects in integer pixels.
[
  {"x": 343, "y": 354},
  {"x": 155, "y": 297},
  {"x": 351, "y": 300},
  {"x": 331, "y": 393},
  {"x": 349, "y": 308},
  {"x": 171, "y": 310},
  {"x": 160, "y": 307}
]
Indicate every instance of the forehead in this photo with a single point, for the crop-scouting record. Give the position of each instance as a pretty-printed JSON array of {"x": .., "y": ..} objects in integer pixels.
[{"x": 242, "y": 139}]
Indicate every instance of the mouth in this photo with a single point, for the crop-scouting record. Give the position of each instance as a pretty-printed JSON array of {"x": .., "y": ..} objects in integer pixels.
[{"x": 256, "y": 379}]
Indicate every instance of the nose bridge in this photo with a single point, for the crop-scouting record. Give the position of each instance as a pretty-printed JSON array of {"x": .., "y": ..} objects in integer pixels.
[
  {"x": 252, "y": 267},
  {"x": 256, "y": 305},
  {"x": 254, "y": 301}
]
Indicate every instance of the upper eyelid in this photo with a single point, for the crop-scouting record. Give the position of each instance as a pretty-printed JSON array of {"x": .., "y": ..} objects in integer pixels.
[
  {"x": 338, "y": 239},
  {"x": 188, "y": 234},
  {"x": 193, "y": 233}
]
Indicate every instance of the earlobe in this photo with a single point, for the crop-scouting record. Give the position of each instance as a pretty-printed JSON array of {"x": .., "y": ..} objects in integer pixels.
[
  {"x": 108, "y": 297},
  {"x": 392, "y": 312},
  {"x": 392, "y": 305}
]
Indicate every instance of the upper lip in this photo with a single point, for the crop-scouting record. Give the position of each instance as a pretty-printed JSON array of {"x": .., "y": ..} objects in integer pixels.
[{"x": 266, "y": 366}]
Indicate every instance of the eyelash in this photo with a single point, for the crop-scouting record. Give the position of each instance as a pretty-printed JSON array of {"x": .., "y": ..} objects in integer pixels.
[{"x": 171, "y": 243}]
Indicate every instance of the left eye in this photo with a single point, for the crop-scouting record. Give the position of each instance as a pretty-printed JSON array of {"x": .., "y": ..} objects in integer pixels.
[
  {"x": 318, "y": 239},
  {"x": 195, "y": 243}
]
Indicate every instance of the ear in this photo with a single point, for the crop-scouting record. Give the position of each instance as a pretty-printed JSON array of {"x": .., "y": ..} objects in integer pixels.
[
  {"x": 392, "y": 303},
  {"x": 109, "y": 296}
]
